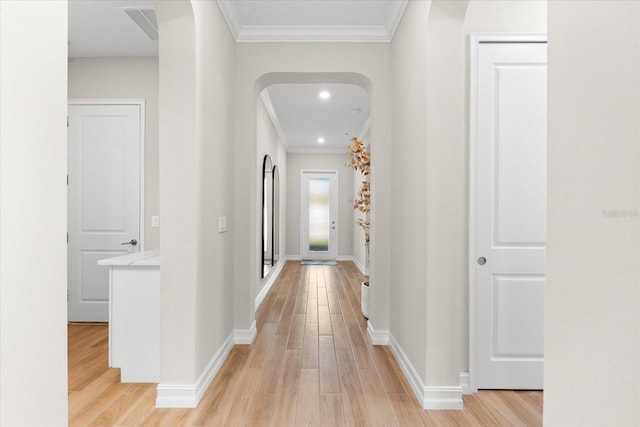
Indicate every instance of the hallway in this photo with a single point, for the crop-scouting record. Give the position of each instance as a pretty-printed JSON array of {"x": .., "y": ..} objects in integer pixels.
[{"x": 310, "y": 364}]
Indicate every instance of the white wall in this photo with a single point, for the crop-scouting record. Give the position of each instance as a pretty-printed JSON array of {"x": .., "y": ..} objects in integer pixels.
[
  {"x": 33, "y": 213},
  {"x": 179, "y": 185},
  {"x": 430, "y": 173},
  {"x": 408, "y": 263},
  {"x": 259, "y": 65},
  {"x": 447, "y": 192},
  {"x": 117, "y": 78},
  {"x": 358, "y": 240},
  {"x": 196, "y": 134},
  {"x": 592, "y": 295},
  {"x": 215, "y": 133},
  {"x": 522, "y": 16},
  {"x": 269, "y": 143},
  {"x": 296, "y": 163}
]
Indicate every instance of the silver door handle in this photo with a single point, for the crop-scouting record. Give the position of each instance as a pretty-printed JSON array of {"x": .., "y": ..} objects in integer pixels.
[
  {"x": 131, "y": 242},
  {"x": 482, "y": 260}
]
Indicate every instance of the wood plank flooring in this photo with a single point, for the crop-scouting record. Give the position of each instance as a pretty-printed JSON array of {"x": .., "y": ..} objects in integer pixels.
[{"x": 312, "y": 364}]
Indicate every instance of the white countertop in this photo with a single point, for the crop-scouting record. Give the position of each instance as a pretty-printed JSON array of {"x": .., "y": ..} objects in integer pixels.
[{"x": 148, "y": 258}]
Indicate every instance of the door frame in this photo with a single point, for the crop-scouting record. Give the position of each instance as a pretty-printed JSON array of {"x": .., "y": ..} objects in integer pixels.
[
  {"x": 336, "y": 214},
  {"x": 141, "y": 102},
  {"x": 474, "y": 46}
]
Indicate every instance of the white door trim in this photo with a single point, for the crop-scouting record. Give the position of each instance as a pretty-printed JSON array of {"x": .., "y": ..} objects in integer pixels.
[
  {"x": 475, "y": 41},
  {"x": 336, "y": 215},
  {"x": 141, "y": 102}
]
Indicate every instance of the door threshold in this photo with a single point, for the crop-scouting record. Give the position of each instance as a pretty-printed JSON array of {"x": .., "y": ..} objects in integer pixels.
[{"x": 311, "y": 262}]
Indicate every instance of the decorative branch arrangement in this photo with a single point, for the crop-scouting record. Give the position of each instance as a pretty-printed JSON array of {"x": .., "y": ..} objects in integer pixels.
[{"x": 360, "y": 161}]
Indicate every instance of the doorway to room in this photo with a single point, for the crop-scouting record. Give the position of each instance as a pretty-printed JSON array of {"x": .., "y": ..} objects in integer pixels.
[
  {"x": 508, "y": 211},
  {"x": 312, "y": 124},
  {"x": 105, "y": 186}
]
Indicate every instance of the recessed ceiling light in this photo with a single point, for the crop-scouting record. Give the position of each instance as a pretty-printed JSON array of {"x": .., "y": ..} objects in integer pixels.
[
  {"x": 321, "y": 140},
  {"x": 324, "y": 95}
]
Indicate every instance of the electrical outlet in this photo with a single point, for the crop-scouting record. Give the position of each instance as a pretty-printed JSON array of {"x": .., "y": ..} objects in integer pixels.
[
  {"x": 222, "y": 224},
  {"x": 155, "y": 221}
]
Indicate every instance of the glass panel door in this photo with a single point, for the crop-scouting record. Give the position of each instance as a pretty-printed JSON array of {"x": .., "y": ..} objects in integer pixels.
[{"x": 318, "y": 215}]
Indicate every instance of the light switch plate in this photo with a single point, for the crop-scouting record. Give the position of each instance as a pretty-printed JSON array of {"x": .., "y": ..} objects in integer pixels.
[
  {"x": 222, "y": 224},
  {"x": 155, "y": 221}
]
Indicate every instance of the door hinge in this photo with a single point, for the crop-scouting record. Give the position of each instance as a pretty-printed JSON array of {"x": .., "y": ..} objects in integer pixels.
[
  {"x": 67, "y": 179},
  {"x": 67, "y": 121},
  {"x": 67, "y": 295},
  {"x": 67, "y": 237}
]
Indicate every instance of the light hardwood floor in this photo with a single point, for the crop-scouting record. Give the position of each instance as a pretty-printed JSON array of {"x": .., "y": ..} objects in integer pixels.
[{"x": 312, "y": 364}]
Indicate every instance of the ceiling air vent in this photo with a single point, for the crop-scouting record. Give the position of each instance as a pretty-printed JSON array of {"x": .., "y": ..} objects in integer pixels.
[{"x": 145, "y": 19}]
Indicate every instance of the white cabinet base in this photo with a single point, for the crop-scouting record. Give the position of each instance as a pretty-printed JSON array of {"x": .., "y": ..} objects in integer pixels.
[{"x": 134, "y": 320}]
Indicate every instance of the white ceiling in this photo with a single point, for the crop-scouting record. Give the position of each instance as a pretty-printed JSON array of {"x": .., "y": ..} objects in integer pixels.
[
  {"x": 101, "y": 28},
  {"x": 313, "y": 20},
  {"x": 301, "y": 117}
]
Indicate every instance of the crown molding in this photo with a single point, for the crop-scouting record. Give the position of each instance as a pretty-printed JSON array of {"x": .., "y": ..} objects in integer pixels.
[
  {"x": 228, "y": 10},
  {"x": 313, "y": 33},
  {"x": 365, "y": 128},
  {"x": 395, "y": 16},
  {"x": 274, "y": 117},
  {"x": 317, "y": 150}
]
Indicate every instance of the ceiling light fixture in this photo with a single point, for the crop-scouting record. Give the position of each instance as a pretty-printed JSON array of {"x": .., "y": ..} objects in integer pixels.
[
  {"x": 324, "y": 95},
  {"x": 321, "y": 140}
]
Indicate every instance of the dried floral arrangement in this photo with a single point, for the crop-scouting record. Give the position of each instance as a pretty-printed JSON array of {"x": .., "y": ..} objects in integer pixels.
[{"x": 361, "y": 162}]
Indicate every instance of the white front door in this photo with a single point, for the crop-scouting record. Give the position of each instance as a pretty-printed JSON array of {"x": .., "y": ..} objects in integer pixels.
[
  {"x": 104, "y": 143},
  {"x": 319, "y": 215},
  {"x": 511, "y": 214}
]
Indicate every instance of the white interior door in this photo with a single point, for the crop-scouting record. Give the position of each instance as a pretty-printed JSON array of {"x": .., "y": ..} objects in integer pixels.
[
  {"x": 511, "y": 214},
  {"x": 319, "y": 215},
  {"x": 104, "y": 143}
]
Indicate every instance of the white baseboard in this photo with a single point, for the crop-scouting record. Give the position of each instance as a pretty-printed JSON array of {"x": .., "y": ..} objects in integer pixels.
[
  {"x": 430, "y": 397},
  {"x": 245, "y": 336},
  {"x": 189, "y": 395},
  {"x": 293, "y": 258},
  {"x": 271, "y": 279},
  {"x": 378, "y": 337},
  {"x": 440, "y": 397},
  {"x": 361, "y": 267},
  {"x": 464, "y": 383}
]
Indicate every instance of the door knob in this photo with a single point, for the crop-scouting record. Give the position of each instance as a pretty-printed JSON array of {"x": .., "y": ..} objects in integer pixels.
[
  {"x": 482, "y": 260},
  {"x": 131, "y": 242}
]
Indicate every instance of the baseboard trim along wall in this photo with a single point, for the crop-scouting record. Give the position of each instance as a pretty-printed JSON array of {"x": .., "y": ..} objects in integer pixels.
[
  {"x": 430, "y": 397},
  {"x": 464, "y": 383},
  {"x": 189, "y": 395},
  {"x": 361, "y": 267},
  {"x": 245, "y": 336},
  {"x": 378, "y": 337},
  {"x": 271, "y": 279},
  {"x": 355, "y": 262}
]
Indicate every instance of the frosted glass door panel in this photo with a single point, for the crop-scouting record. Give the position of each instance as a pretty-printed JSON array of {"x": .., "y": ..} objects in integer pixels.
[{"x": 318, "y": 214}]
